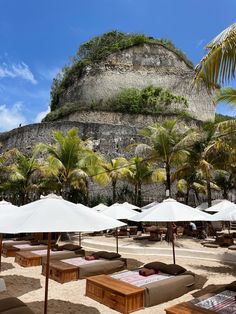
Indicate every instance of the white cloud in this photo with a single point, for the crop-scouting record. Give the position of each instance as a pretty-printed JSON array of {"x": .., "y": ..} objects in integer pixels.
[
  {"x": 11, "y": 117},
  {"x": 41, "y": 115},
  {"x": 20, "y": 70}
]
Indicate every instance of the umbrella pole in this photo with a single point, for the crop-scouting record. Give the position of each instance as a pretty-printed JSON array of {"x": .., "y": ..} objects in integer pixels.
[
  {"x": 173, "y": 249},
  {"x": 47, "y": 273},
  {"x": 0, "y": 251},
  {"x": 116, "y": 240},
  {"x": 79, "y": 238}
]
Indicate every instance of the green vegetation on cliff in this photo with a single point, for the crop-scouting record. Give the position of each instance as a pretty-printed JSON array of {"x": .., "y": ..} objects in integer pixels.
[
  {"x": 221, "y": 117},
  {"x": 150, "y": 100},
  {"x": 97, "y": 49}
]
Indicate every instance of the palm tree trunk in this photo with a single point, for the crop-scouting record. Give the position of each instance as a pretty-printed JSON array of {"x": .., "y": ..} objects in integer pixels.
[
  {"x": 209, "y": 199},
  {"x": 225, "y": 194},
  {"x": 113, "y": 191},
  {"x": 168, "y": 183},
  {"x": 187, "y": 195},
  {"x": 135, "y": 194},
  {"x": 139, "y": 200}
]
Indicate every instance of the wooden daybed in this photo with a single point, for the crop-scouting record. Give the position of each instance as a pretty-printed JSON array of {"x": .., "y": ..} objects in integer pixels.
[
  {"x": 11, "y": 250},
  {"x": 66, "y": 270},
  {"x": 37, "y": 257},
  {"x": 158, "y": 288},
  {"x": 221, "y": 301}
]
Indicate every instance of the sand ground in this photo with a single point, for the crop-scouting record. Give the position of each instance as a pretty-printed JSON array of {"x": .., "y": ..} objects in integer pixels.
[{"x": 69, "y": 298}]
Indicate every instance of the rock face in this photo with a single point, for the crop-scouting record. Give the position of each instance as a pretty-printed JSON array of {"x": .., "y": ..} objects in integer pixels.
[{"x": 139, "y": 67}]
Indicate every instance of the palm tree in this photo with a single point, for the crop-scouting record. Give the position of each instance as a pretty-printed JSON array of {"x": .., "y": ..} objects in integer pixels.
[
  {"x": 24, "y": 175},
  {"x": 168, "y": 145},
  {"x": 71, "y": 161},
  {"x": 115, "y": 170},
  {"x": 141, "y": 172},
  {"x": 219, "y": 64}
]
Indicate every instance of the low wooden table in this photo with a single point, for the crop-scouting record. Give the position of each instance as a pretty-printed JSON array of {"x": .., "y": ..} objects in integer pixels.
[
  {"x": 118, "y": 295},
  {"x": 28, "y": 259},
  {"x": 187, "y": 308},
  {"x": 61, "y": 272}
]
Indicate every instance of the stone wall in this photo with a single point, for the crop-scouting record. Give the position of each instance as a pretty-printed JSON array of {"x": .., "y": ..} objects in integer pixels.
[{"x": 138, "y": 67}]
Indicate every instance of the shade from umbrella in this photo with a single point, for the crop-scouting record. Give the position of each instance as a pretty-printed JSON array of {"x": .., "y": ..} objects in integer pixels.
[
  {"x": 100, "y": 207},
  {"x": 220, "y": 206},
  {"x": 228, "y": 214},
  {"x": 54, "y": 214},
  {"x": 119, "y": 211},
  {"x": 171, "y": 211}
]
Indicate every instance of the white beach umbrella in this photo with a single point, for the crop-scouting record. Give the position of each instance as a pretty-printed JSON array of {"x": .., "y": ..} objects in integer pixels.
[
  {"x": 54, "y": 214},
  {"x": 148, "y": 206},
  {"x": 171, "y": 211},
  {"x": 204, "y": 205},
  {"x": 129, "y": 206},
  {"x": 119, "y": 211},
  {"x": 220, "y": 206},
  {"x": 100, "y": 207},
  {"x": 228, "y": 214}
]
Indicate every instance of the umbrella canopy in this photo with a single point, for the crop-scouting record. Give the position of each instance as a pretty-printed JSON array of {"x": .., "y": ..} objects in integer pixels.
[
  {"x": 204, "y": 205},
  {"x": 129, "y": 206},
  {"x": 220, "y": 207},
  {"x": 148, "y": 206},
  {"x": 119, "y": 211},
  {"x": 228, "y": 214},
  {"x": 54, "y": 214},
  {"x": 169, "y": 211},
  {"x": 100, "y": 207},
  {"x": 7, "y": 208}
]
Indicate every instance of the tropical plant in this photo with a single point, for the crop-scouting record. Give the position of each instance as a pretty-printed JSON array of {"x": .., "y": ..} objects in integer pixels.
[
  {"x": 65, "y": 159},
  {"x": 219, "y": 64},
  {"x": 24, "y": 175},
  {"x": 141, "y": 172},
  {"x": 168, "y": 144},
  {"x": 115, "y": 170}
]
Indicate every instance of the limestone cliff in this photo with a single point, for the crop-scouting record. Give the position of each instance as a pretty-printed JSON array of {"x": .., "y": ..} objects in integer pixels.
[{"x": 138, "y": 67}]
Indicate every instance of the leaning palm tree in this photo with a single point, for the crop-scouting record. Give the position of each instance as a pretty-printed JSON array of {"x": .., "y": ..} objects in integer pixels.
[
  {"x": 219, "y": 64},
  {"x": 115, "y": 170},
  {"x": 168, "y": 145}
]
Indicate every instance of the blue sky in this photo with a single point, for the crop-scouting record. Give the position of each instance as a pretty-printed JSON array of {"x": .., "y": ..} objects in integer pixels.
[{"x": 37, "y": 38}]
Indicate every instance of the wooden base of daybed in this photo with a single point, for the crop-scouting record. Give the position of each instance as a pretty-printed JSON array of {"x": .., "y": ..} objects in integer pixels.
[
  {"x": 28, "y": 259},
  {"x": 118, "y": 295},
  {"x": 61, "y": 272},
  {"x": 187, "y": 308},
  {"x": 9, "y": 251}
]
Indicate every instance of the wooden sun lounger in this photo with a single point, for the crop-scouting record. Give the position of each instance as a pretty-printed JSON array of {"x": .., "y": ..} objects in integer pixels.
[
  {"x": 31, "y": 258},
  {"x": 62, "y": 272},
  {"x": 10, "y": 251}
]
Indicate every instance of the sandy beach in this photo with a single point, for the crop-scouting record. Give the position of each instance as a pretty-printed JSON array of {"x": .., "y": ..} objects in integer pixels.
[{"x": 69, "y": 298}]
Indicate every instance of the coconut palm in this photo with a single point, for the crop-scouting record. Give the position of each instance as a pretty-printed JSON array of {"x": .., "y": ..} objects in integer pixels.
[
  {"x": 219, "y": 64},
  {"x": 71, "y": 161},
  {"x": 168, "y": 144},
  {"x": 24, "y": 176},
  {"x": 141, "y": 172},
  {"x": 116, "y": 170}
]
